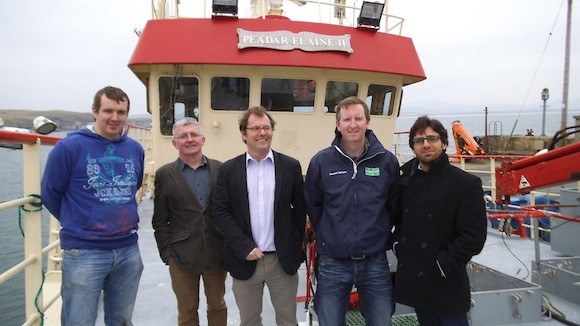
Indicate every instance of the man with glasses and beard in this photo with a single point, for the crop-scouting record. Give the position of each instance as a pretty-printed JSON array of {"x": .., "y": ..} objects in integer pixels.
[{"x": 440, "y": 224}]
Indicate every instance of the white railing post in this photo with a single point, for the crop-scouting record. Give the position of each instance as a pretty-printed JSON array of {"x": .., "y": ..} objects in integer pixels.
[
  {"x": 32, "y": 229},
  {"x": 492, "y": 177},
  {"x": 54, "y": 256}
]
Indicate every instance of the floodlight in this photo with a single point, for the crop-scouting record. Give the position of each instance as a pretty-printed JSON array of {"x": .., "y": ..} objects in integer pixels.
[
  {"x": 43, "y": 125},
  {"x": 371, "y": 14},
  {"x": 225, "y": 7}
]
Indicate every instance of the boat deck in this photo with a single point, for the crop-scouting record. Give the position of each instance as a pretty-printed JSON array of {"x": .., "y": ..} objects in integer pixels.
[
  {"x": 155, "y": 288},
  {"x": 510, "y": 255}
]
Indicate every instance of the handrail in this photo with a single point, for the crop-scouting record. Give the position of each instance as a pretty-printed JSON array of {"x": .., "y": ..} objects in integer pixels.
[
  {"x": 13, "y": 137},
  {"x": 18, "y": 202},
  {"x": 161, "y": 9},
  {"x": 529, "y": 211},
  {"x": 17, "y": 268},
  {"x": 143, "y": 135},
  {"x": 397, "y": 145},
  {"x": 36, "y": 302}
]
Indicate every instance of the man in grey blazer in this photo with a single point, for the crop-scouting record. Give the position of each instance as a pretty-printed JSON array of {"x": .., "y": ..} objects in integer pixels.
[
  {"x": 187, "y": 238},
  {"x": 259, "y": 208}
]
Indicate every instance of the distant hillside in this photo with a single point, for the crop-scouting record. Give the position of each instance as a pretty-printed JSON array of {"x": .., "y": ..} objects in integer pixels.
[{"x": 65, "y": 120}]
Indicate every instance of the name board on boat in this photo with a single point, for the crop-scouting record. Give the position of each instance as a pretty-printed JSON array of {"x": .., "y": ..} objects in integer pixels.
[{"x": 286, "y": 41}]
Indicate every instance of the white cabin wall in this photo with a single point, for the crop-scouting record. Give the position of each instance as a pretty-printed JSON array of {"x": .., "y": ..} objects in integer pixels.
[{"x": 298, "y": 134}]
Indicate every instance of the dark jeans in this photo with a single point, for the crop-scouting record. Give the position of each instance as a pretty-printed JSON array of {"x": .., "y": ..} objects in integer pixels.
[{"x": 372, "y": 278}]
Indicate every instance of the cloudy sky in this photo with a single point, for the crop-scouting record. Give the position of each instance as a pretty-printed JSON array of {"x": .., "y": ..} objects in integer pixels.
[{"x": 56, "y": 54}]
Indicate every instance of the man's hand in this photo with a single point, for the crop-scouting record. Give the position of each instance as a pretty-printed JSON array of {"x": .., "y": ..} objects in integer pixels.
[{"x": 255, "y": 254}]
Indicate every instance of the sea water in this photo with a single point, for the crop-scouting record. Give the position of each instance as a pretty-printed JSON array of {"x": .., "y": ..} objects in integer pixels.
[{"x": 11, "y": 250}]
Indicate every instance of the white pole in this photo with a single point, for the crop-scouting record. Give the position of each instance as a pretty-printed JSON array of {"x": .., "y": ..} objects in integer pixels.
[{"x": 566, "y": 67}]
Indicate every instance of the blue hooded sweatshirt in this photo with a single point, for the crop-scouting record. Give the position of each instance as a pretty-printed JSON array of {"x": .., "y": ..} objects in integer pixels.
[{"x": 89, "y": 185}]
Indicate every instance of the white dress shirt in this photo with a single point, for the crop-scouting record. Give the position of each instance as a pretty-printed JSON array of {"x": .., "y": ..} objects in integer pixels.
[{"x": 261, "y": 184}]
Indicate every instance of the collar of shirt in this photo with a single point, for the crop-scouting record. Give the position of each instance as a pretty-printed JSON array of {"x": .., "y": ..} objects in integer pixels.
[
  {"x": 357, "y": 158},
  {"x": 249, "y": 158},
  {"x": 182, "y": 163}
]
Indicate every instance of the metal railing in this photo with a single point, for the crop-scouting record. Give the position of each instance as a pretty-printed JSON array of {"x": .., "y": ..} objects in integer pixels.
[
  {"x": 484, "y": 166},
  {"x": 36, "y": 302},
  {"x": 164, "y": 9},
  {"x": 144, "y": 136}
]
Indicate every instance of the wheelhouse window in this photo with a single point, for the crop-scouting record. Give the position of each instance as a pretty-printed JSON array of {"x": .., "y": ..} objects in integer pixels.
[
  {"x": 381, "y": 99},
  {"x": 178, "y": 98},
  {"x": 290, "y": 95},
  {"x": 337, "y": 91},
  {"x": 230, "y": 93}
]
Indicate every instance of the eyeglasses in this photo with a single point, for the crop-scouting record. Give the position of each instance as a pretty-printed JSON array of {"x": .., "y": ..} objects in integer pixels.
[
  {"x": 187, "y": 135},
  {"x": 257, "y": 129},
  {"x": 432, "y": 139}
]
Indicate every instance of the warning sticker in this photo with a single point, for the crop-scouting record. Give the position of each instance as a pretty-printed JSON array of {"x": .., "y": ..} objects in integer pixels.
[{"x": 524, "y": 182}]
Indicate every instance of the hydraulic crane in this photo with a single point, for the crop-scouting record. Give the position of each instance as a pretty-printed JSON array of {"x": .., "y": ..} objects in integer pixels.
[{"x": 551, "y": 168}]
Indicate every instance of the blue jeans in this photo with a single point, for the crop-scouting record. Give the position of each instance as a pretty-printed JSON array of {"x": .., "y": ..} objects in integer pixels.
[
  {"x": 85, "y": 273},
  {"x": 372, "y": 278}
]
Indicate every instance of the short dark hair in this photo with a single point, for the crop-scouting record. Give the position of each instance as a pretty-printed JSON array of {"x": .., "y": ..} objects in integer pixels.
[
  {"x": 422, "y": 123},
  {"x": 113, "y": 93},
  {"x": 350, "y": 101},
  {"x": 259, "y": 111}
]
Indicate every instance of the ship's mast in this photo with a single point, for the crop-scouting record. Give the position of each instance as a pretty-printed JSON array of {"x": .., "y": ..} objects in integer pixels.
[{"x": 566, "y": 67}]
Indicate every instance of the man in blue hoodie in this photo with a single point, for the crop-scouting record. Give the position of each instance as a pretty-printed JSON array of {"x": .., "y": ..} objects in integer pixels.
[
  {"x": 350, "y": 192},
  {"x": 89, "y": 184}
]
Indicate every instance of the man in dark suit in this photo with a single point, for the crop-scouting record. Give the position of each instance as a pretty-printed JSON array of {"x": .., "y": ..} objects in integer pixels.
[
  {"x": 259, "y": 208},
  {"x": 187, "y": 238}
]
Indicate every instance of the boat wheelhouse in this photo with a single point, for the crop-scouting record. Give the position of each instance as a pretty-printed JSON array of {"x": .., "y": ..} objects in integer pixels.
[{"x": 216, "y": 67}]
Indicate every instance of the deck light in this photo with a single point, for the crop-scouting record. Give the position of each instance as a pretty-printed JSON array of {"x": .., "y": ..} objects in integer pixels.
[
  {"x": 40, "y": 125},
  {"x": 371, "y": 14},
  {"x": 225, "y": 7},
  {"x": 43, "y": 125}
]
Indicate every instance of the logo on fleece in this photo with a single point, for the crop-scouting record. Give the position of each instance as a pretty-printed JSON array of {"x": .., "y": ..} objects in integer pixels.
[
  {"x": 372, "y": 172},
  {"x": 111, "y": 177}
]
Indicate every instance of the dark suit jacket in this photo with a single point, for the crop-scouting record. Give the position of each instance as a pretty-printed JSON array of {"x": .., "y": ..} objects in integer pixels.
[
  {"x": 184, "y": 230},
  {"x": 232, "y": 215}
]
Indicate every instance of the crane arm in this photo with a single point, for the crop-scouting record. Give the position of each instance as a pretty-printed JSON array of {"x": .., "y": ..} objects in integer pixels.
[{"x": 554, "y": 167}]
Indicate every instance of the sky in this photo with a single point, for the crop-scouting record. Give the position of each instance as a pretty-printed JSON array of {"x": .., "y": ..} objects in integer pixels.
[{"x": 54, "y": 55}]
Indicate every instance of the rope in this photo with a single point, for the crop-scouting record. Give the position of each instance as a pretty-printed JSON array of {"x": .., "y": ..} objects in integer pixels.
[
  {"x": 38, "y": 207},
  {"x": 516, "y": 257},
  {"x": 36, "y": 300}
]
